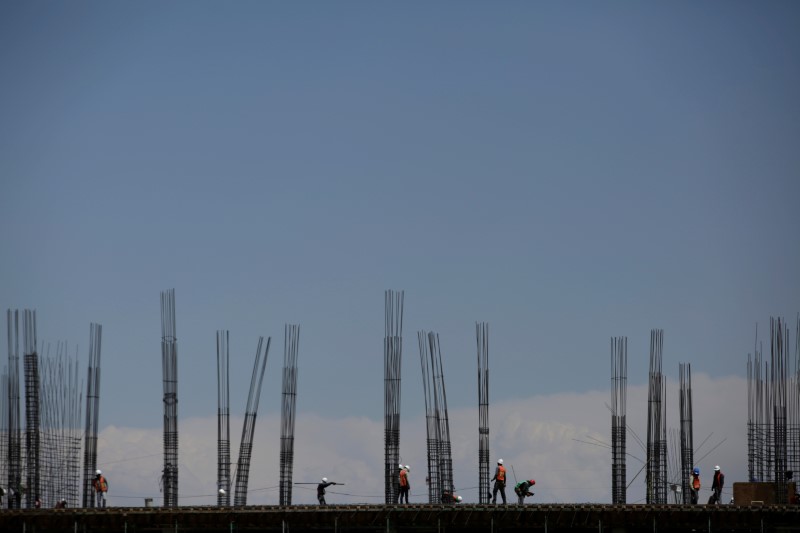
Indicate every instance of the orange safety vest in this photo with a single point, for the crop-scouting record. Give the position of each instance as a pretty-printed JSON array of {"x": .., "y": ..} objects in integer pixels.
[
  {"x": 403, "y": 478},
  {"x": 501, "y": 473},
  {"x": 100, "y": 484},
  {"x": 696, "y": 483}
]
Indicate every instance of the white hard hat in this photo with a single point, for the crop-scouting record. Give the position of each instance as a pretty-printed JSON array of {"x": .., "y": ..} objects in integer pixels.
[
  {"x": 459, "y": 498},
  {"x": 408, "y": 468},
  {"x": 222, "y": 491},
  {"x": 324, "y": 480},
  {"x": 401, "y": 466},
  {"x": 716, "y": 467},
  {"x": 499, "y": 461},
  {"x": 99, "y": 472}
]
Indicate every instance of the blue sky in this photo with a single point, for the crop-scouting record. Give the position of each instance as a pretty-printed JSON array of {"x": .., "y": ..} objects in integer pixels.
[{"x": 565, "y": 171}]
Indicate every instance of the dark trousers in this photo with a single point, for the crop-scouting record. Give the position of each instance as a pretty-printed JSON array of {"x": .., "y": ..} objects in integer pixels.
[
  {"x": 501, "y": 486},
  {"x": 693, "y": 496},
  {"x": 403, "y": 494},
  {"x": 321, "y": 498}
]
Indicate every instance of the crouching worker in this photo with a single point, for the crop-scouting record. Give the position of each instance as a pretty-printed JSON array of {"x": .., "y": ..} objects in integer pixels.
[
  {"x": 523, "y": 489},
  {"x": 450, "y": 497}
]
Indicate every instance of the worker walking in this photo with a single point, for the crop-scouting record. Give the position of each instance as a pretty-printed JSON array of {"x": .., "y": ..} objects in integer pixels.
[
  {"x": 100, "y": 485},
  {"x": 716, "y": 486},
  {"x": 321, "y": 489},
  {"x": 694, "y": 485},
  {"x": 405, "y": 486},
  {"x": 499, "y": 482},
  {"x": 523, "y": 489}
]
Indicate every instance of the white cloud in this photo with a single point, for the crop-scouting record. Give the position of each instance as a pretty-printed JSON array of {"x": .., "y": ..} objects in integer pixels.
[{"x": 539, "y": 436}]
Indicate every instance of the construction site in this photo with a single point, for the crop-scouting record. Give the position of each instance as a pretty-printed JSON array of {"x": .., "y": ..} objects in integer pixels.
[{"x": 50, "y": 464}]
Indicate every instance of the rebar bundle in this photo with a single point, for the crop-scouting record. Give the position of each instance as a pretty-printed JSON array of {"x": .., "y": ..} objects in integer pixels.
[
  {"x": 482, "y": 339},
  {"x": 392, "y": 356},
  {"x": 223, "y": 421},
  {"x": 60, "y": 429},
  {"x": 32, "y": 441},
  {"x": 169, "y": 368},
  {"x": 687, "y": 438},
  {"x": 248, "y": 430},
  {"x": 619, "y": 387},
  {"x": 14, "y": 448},
  {"x": 779, "y": 362},
  {"x": 431, "y": 422},
  {"x": 291, "y": 340},
  {"x": 656, "y": 424},
  {"x": 92, "y": 414}
]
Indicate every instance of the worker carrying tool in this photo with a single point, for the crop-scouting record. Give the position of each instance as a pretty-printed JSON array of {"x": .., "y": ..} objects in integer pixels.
[
  {"x": 523, "y": 489},
  {"x": 321, "y": 489},
  {"x": 499, "y": 482}
]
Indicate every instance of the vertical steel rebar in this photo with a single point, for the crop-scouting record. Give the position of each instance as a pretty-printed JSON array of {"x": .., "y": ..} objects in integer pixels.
[
  {"x": 431, "y": 421},
  {"x": 223, "y": 420},
  {"x": 32, "y": 413},
  {"x": 687, "y": 430},
  {"x": 482, "y": 340},
  {"x": 92, "y": 414},
  {"x": 446, "y": 484},
  {"x": 656, "y": 424},
  {"x": 779, "y": 362},
  {"x": 289, "y": 401},
  {"x": 14, "y": 448},
  {"x": 248, "y": 429},
  {"x": 169, "y": 368},
  {"x": 619, "y": 384},
  {"x": 392, "y": 357}
]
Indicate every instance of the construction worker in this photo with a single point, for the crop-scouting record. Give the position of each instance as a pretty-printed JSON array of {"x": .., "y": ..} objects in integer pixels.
[
  {"x": 405, "y": 486},
  {"x": 61, "y": 504},
  {"x": 100, "y": 485},
  {"x": 397, "y": 487},
  {"x": 716, "y": 486},
  {"x": 321, "y": 489},
  {"x": 523, "y": 489},
  {"x": 449, "y": 496},
  {"x": 694, "y": 485},
  {"x": 499, "y": 482}
]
